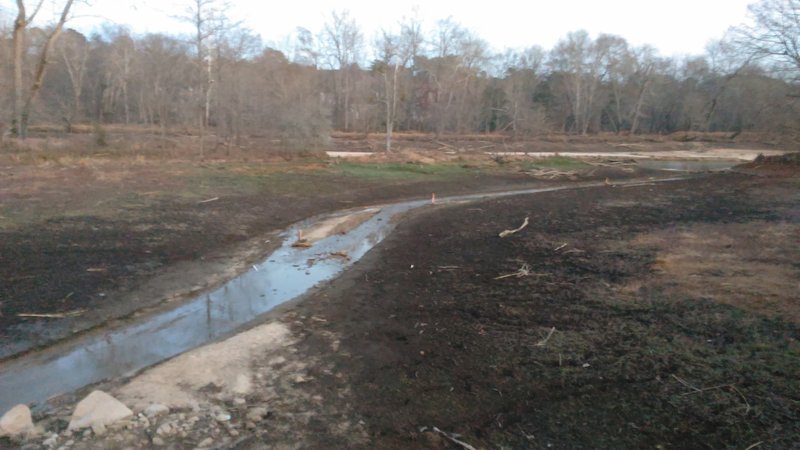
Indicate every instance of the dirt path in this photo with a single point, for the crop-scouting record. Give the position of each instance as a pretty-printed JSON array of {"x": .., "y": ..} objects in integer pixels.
[{"x": 638, "y": 317}]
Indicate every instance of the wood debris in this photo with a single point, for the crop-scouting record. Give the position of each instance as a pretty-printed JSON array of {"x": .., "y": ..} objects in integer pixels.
[
  {"x": 507, "y": 233},
  {"x": 452, "y": 438},
  {"x": 550, "y": 174},
  {"x": 524, "y": 271},
  {"x": 301, "y": 243},
  {"x": 543, "y": 342},
  {"x": 53, "y": 315},
  {"x": 208, "y": 201},
  {"x": 341, "y": 254}
]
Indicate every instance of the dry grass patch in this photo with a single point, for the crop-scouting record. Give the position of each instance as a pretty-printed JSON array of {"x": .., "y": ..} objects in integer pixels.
[{"x": 752, "y": 266}]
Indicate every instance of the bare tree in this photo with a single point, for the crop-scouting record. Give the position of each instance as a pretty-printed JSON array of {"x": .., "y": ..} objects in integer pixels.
[
  {"x": 119, "y": 68},
  {"x": 20, "y": 26},
  {"x": 522, "y": 74},
  {"x": 306, "y": 51},
  {"x": 208, "y": 21},
  {"x": 342, "y": 40},
  {"x": 774, "y": 35},
  {"x": 74, "y": 51},
  {"x": 393, "y": 57}
]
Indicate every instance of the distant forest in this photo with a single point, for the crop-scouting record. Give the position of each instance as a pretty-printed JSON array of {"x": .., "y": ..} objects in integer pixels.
[{"x": 223, "y": 80}]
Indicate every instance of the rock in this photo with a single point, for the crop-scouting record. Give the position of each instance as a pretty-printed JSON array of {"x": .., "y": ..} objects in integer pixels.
[
  {"x": 205, "y": 443},
  {"x": 158, "y": 441},
  {"x": 17, "y": 422},
  {"x": 256, "y": 414},
  {"x": 98, "y": 408},
  {"x": 239, "y": 401},
  {"x": 155, "y": 410},
  {"x": 99, "y": 429},
  {"x": 164, "y": 430},
  {"x": 223, "y": 417},
  {"x": 51, "y": 441}
]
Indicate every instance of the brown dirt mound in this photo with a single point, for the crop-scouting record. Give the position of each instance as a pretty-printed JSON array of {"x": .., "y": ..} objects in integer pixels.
[{"x": 789, "y": 159}]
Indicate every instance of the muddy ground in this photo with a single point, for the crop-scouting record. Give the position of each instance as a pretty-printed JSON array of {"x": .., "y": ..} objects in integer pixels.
[
  {"x": 86, "y": 241},
  {"x": 661, "y": 316},
  {"x": 675, "y": 311}
]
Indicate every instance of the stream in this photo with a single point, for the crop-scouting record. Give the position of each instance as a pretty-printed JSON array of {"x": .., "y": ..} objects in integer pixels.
[{"x": 286, "y": 274}]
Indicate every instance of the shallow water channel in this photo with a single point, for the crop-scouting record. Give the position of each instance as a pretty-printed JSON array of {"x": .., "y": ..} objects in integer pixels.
[
  {"x": 687, "y": 166},
  {"x": 286, "y": 274}
]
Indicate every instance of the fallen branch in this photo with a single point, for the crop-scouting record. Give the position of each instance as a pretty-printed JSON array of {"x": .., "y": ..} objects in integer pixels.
[
  {"x": 696, "y": 390},
  {"x": 510, "y": 232},
  {"x": 301, "y": 242},
  {"x": 341, "y": 254},
  {"x": 685, "y": 383},
  {"x": 208, "y": 201},
  {"x": 445, "y": 145},
  {"x": 524, "y": 271},
  {"x": 453, "y": 439},
  {"x": 543, "y": 342},
  {"x": 53, "y": 315},
  {"x": 560, "y": 247}
]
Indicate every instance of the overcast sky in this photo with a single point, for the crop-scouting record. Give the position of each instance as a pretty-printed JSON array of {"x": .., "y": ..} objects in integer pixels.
[{"x": 672, "y": 26}]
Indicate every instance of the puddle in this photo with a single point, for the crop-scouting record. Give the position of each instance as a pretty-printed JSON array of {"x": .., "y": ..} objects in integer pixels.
[
  {"x": 286, "y": 274},
  {"x": 687, "y": 166}
]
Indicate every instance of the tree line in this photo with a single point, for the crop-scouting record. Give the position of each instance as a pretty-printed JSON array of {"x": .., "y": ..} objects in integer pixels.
[{"x": 222, "y": 79}]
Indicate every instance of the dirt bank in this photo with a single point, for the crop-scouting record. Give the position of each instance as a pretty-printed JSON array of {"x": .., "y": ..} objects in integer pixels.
[{"x": 631, "y": 317}]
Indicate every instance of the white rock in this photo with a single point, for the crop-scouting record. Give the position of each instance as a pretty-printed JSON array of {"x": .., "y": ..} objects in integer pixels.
[
  {"x": 155, "y": 410},
  {"x": 223, "y": 417},
  {"x": 16, "y": 422},
  {"x": 99, "y": 429},
  {"x": 205, "y": 443},
  {"x": 51, "y": 441},
  {"x": 158, "y": 441},
  {"x": 98, "y": 408},
  {"x": 256, "y": 414},
  {"x": 164, "y": 429}
]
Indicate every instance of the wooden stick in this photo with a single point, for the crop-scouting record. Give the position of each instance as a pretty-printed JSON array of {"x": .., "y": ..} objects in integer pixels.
[
  {"x": 53, "y": 315},
  {"x": 543, "y": 342},
  {"x": 453, "y": 439},
  {"x": 208, "y": 201},
  {"x": 685, "y": 383},
  {"x": 510, "y": 232}
]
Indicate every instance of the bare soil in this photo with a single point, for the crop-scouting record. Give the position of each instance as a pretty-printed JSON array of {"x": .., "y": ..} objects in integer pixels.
[
  {"x": 87, "y": 240},
  {"x": 621, "y": 317},
  {"x": 675, "y": 312},
  {"x": 661, "y": 316}
]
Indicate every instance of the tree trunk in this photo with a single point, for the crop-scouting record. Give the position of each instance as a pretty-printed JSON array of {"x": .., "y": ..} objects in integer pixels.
[
  {"x": 19, "y": 45},
  {"x": 41, "y": 69},
  {"x": 637, "y": 112}
]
